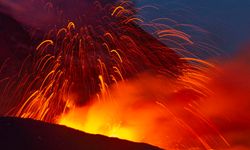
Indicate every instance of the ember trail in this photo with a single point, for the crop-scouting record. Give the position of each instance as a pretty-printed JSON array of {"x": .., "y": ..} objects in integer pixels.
[{"x": 103, "y": 74}]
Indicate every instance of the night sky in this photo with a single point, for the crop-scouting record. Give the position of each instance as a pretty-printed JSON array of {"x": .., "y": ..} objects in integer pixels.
[{"x": 227, "y": 20}]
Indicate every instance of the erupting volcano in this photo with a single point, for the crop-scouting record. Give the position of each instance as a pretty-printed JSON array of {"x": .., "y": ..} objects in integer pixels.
[{"x": 91, "y": 66}]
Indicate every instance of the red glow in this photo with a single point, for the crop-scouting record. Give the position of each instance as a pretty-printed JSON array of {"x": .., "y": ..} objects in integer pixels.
[{"x": 119, "y": 81}]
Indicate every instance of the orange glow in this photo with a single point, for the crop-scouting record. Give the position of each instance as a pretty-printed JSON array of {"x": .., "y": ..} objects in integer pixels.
[
  {"x": 113, "y": 78},
  {"x": 144, "y": 110}
]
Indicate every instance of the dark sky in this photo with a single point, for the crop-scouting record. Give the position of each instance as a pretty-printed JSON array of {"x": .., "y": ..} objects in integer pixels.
[{"x": 229, "y": 20}]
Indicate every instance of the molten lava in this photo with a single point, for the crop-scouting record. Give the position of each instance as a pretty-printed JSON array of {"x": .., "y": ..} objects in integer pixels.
[{"x": 105, "y": 75}]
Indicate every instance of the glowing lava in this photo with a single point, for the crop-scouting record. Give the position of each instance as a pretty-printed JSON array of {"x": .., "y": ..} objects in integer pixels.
[
  {"x": 150, "y": 109},
  {"x": 105, "y": 75}
]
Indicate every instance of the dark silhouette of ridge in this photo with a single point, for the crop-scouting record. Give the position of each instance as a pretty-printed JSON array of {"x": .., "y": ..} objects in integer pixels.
[{"x": 28, "y": 134}]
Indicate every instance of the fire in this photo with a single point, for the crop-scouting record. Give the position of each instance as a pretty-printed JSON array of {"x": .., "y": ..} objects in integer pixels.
[
  {"x": 148, "y": 109},
  {"x": 108, "y": 76}
]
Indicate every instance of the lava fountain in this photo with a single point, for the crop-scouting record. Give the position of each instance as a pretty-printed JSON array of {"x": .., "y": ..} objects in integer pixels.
[{"x": 101, "y": 73}]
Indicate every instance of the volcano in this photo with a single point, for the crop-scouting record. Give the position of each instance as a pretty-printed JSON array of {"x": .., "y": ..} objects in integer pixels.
[{"x": 30, "y": 134}]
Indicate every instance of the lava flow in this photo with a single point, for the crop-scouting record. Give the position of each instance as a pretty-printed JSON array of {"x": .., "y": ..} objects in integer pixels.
[{"x": 102, "y": 74}]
